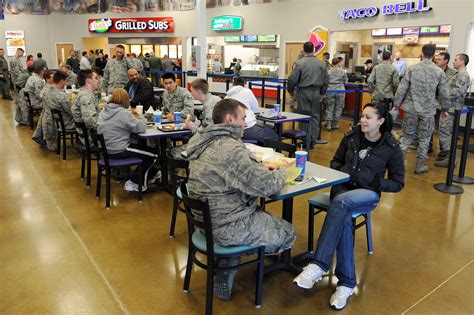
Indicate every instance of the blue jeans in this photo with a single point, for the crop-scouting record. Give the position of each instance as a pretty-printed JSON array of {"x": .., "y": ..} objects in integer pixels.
[
  {"x": 260, "y": 132},
  {"x": 336, "y": 234}
]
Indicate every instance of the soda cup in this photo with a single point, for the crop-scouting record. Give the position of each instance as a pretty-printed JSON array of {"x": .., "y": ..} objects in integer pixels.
[
  {"x": 301, "y": 158},
  {"x": 276, "y": 108},
  {"x": 177, "y": 118},
  {"x": 157, "y": 117}
]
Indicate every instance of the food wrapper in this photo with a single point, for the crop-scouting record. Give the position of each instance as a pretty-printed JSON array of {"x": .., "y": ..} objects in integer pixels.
[{"x": 292, "y": 173}]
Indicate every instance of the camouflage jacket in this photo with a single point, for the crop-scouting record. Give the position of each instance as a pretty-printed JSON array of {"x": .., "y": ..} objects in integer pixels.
[
  {"x": 22, "y": 78},
  {"x": 72, "y": 79},
  {"x": 337, "y": 78},
  {"x": 16, "y": 68},
  {"x": 115, "y": 74},
  {"x": 33, "y": 86},
  {"x": 458, "y": 87},
  {"x": 179, "y": 101},
  {"x": 85, "y": 109},
  {"x": 3, "y": 68},
  {"x": 419, "y": 87},
  {"x": 383, "y": 81},
  {"x": 208, "y": 107},
  {"x": 224, "y": 172}
]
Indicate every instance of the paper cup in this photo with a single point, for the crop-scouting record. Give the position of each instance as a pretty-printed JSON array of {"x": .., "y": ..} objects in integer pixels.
[{"x": 139, "y": 109}]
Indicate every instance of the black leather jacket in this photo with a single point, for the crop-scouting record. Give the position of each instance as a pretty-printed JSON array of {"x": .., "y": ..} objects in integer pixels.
[{"x": 370, "y": 172}]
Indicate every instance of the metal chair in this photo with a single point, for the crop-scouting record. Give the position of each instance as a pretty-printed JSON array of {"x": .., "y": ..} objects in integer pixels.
[
  {"x": 104, "y": 163},
  {"x": 62, "y": 132},
  {"x": 201, "y": 241},
  {"x": 31, "y": 111},
  {"x": 177, "y": 167},
  {"x": 86, "y": 151}
]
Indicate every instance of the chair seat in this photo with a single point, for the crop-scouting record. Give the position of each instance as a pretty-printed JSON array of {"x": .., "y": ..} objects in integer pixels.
[
  {"x": 322, "y": 201},
  {"x": 199, "y": 240},
  {"x": 121, "y": 162},
  {"x": 252, "y": 141},
  {"x": 293, "y": 134}
]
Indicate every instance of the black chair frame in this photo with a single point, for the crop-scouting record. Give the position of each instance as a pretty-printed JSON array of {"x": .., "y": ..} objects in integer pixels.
[
  {"x": 31, "y": 111},
  {"x": 62, "y": 132},
  {"x": 174, "y": 167},
  {"x": 86, "y": 151}
]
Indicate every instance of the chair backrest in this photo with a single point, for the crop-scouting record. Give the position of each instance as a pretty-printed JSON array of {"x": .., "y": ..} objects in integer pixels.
[
  {"x": 28, "y": 99},
  {"x": 198, "y": 216},
  {"x": 58, "y": 119},
  {"x": 83, "y": 135},
  {"x": 177, "y": 167},
  {"x": 100, "y": 148},
  {"x": 281, "y": 146}
]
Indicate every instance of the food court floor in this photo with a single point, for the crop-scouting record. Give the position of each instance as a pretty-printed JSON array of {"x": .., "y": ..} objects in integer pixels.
[{"x": 62, "y": 252}]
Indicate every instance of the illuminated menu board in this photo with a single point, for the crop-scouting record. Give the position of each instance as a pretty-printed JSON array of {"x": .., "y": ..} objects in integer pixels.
[
  {"x": 379, "y": 32},
  {"x": 397, "y": 31},
  {"x": 445, "y": 29},
  {"x": 429, "y": 30}
]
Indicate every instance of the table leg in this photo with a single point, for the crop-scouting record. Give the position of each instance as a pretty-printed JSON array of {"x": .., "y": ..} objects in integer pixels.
[
  {"x": 285, "y": 262},
  {"x": 164, "y": 163}
]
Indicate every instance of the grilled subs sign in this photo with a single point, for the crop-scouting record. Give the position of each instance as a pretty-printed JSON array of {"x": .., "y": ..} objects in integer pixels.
[{"x": 131, "y": 25}]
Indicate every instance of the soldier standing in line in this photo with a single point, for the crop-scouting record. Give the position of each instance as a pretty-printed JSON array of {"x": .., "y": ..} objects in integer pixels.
[
  {"x": 155, "y": 65},
  {"x": 383, "y": 81},
  {"x": 16, "y": 66},
  {"x": 115, "y": 72},
  {"x": 418, "y": 91},
  {"x": 4, "y": 77},
  {"x": 310, "y": 76},
  {"x": 223, "y": 171},
  {"x": 458, "y": 87},
  {"x": 335, "y": 102},
  {"x": 85, "y": 108}
]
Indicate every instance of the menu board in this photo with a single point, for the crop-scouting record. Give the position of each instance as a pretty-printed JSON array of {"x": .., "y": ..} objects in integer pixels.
[
  {"x": 379, "y": 32},
  {"x": 411, "y": 35},
  {"x": 445, "y": 29},
  {"x": 232, "y": 39},
  {"x": 266, "y": 38},
  {"x": 429, "y": 30},
  {"x": 15, "y": 40},
  {"x": 248, "y": 38},
  {"x": 397, "y": 31}
]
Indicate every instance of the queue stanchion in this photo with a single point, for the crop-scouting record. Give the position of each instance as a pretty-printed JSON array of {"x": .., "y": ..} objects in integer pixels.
[
  {"x": 448, "y": 186},
  {"x": 227, "y": 85},
  {"x": 358, "y": 99},
  {"x": 283, "y": 105},
  {"x": 279, "y": 96},
  {"x": 263, "y": 92},
  {"x": 183, "y": 78},
  {"x": 250, "y": 86},
  {"x": 461, "y": 178}
]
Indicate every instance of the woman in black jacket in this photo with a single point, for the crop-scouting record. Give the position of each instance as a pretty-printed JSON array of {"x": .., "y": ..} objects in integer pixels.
[{"x": 366, "y": 152}]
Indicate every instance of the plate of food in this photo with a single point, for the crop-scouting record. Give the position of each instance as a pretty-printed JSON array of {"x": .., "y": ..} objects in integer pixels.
[{"x": 172, "y": 127}]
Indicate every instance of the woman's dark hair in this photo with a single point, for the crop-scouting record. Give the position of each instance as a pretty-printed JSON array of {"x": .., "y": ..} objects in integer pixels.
[{"x": 382, "y": 112}]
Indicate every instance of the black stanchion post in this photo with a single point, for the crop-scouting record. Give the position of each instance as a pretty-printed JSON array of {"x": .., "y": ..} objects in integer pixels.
[
  {"x": 461, "y": 178},
  {"x": 358, "y": 100},
  {"x": 250, "y": 85},
  {"x": 284, "y": 97},
  {"x": 263, "y": 92},
  {"x": 183, "y": 76},
  {"x": 279, "y": 96},
  {"x": 227, "y": 85},
  {"x": 448, "y": 187}
]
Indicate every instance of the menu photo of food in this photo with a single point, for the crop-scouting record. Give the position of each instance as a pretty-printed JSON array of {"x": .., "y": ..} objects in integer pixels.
[{"x": 15, "y": 40}]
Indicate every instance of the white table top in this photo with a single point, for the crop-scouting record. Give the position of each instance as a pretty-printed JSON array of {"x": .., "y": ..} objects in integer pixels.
[
  {"x": 290, "y": 117},
  {"x": 153, "y": 132},
  {"x": 332, "y": 177}
]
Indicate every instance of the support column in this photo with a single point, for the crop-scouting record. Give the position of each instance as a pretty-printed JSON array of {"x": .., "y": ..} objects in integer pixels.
[{"x": 201, "y": 39}]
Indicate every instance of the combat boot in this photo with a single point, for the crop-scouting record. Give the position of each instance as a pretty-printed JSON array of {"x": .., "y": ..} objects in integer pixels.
[
  {"x": 328, "y": 125},
  {"x": 421, "y": 168},
  {"x": 442, "y": 155}
]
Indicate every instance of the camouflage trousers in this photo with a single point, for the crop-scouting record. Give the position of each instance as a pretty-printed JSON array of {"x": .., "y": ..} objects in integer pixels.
[
  {"x": 309, "y": 104},
  {"x": 5, "y": 89},
  {"x": 445, "y": 132},
  {"x": 417, "y": 126},
  {"x": 334, "y": 107},
  {"x": 258, "y": 229}
]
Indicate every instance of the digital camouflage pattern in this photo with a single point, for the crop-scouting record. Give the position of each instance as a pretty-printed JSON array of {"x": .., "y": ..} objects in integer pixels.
[
  {"x": 383, "y": 81},
  {"x": 179, "y": 101},
  {"x": 86, "y": 109},
  {"x": 115, "y": 74}
]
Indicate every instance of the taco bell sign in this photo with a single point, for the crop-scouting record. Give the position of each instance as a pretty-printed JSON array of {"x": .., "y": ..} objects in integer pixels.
[{"x": 387, "y": 9}]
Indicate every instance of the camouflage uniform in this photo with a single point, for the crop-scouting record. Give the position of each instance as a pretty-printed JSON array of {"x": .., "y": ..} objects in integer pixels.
[
  {"x": 224, "y": 172},
  {"x": 310, "y": 76},
  {"x": 383, "y": 82},
  {"x": 54, "y": 98},
  {"x": 16, "y": 68},
  {"x": 72, "y": 79},
  {"x": 418, "y": 90},
  {"x": 208, "y": 106},
  {"x": 179, "y": 101},
  {"x": 115, "y": 74},
  {"x": 22, "y": 78},
  {"x": 155, "y": 65},
  {"x": 33, "y": 86},
  {"x": 21, "y": 108},
  {"x": 85, "y": 109},
  {"x": 335, "y": 102},
  {"x": 458, "y": 87},
  {"x": 136, "y": 64},
  {"x": 4, "y": 79}
]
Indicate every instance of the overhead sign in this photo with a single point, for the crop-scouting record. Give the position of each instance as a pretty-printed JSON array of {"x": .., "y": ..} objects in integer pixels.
[
  {"x": 15, "y": 40},
  {"x": 387, "y": 9},
  {"x": 227, "y": 23},
  {"x": 132, "y": 25}
]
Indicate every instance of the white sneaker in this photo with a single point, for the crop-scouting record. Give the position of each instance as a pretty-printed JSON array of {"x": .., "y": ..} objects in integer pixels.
[
  {"x": 131, "y": 186},
  {"x": 155, "y": 178},
  {"x": 339, "y": 299},
  {"x": 310, "y": 275}
]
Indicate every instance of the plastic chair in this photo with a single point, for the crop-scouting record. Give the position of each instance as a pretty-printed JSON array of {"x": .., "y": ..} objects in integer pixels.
[
  {"x": 104, "y": 163},
  {"x": 201, "y": 241},
  {"x": 86, "y": 151},
  {"x": 62, "y": 132},
  {"x": 320, "y": 203},
  {"x": 176, "y": 166},
  {"x": 294, "y": 134},
  {"x": 31, "y": 111}
]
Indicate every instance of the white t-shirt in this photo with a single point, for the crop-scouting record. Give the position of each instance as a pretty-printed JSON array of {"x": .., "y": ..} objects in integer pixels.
[{"x": 246, "y": 97}]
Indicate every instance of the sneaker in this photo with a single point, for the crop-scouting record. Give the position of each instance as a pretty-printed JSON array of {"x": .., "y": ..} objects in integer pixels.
[
  {"x": 224, "y": 280},
  {"x": 335, "y": 125},
  {"x": 155, "y": 178},
  {"x": 328, "y": 125},
  {"x": 310, "y": 275},
  {"x": 443, "y": 163},
  {"x": 339, "y": 299},
  {"x": 421, "y": 168},
  {"x": 131, "y": 186}
]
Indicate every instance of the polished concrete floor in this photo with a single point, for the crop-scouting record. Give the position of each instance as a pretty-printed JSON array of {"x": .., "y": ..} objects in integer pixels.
[{"x": 62, "y": 252}]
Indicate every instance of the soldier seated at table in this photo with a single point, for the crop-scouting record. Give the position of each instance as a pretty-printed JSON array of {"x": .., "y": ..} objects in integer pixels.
[
  {"x": 200, "y": 92},
  {"x": 140, "y": 90},
  {"x": 176, "y": 98},
  {"x": 224, "y": 172}
]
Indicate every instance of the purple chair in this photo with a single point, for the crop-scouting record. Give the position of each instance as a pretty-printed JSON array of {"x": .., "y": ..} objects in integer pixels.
[
  {"x": 104, "y": 163},
  {"x": 86, "y": 151},
  {"x": 294, "y": 135}
]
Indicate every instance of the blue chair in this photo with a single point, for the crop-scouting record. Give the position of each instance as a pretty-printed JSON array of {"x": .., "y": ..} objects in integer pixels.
[
  {"x": 320, "y": 203},
  {"x": 106, "y": 164},
  {"x": 201, "y": 241}
]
